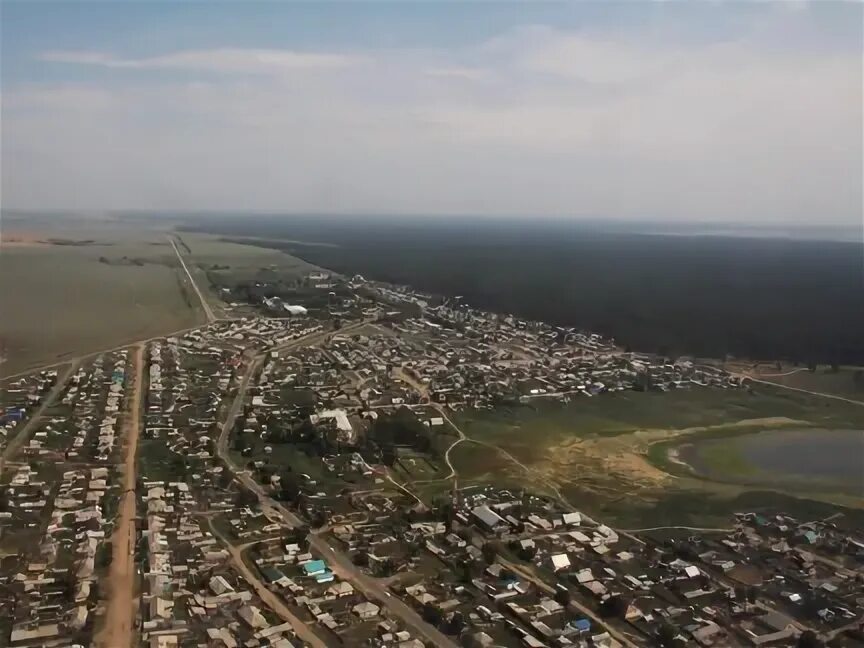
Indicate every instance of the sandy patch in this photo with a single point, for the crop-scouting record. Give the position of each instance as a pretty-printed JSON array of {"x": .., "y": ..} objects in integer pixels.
[{"x": 619, "y": 463}]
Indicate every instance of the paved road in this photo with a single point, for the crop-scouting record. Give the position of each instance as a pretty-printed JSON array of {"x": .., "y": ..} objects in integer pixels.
[
  {"x": 345, "y": 569},
  {"x": 23, "y": 435},
  {"x": 208, "y": 312},
  {"x": 339, "y": 562},
  {"x": 274, "y": 602}
]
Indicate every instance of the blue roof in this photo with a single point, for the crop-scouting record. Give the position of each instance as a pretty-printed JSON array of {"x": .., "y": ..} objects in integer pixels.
[
  {"x": 583, "y": 625},
  {"x": 271, "y": 573},
  {"x": 314, "y": 566},
  {"x": 324, "y": 577}
]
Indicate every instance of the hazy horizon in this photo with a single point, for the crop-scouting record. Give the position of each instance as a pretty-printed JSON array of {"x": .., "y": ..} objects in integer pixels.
[
  {"x": 853, "y": 233},
  {"x": 705, "y": 113}
]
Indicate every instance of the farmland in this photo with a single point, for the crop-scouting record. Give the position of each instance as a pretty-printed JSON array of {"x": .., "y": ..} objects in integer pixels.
[
  {"x": 101, "y": 287},
  {"x": 220, "y": 264}
]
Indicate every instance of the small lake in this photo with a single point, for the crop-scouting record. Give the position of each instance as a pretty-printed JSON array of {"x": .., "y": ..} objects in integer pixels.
[{"x": 828, "y": 457}]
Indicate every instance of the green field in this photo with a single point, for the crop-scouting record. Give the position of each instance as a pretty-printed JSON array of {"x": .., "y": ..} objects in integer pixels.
[
  {"x": 74, "y": 285},
  {"x": 108, "y": 285},
  {"x": 217, "y": 263},
  {"x": 607, "y": 454}
]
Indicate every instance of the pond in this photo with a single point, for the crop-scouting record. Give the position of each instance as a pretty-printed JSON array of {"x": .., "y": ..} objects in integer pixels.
[{"x": 826, "y": 457}]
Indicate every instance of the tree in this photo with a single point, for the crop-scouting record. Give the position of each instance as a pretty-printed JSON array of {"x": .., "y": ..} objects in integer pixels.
[
  {"x": 615, "y": 606},
  {"x": 809, "y": 639},
  {"x": 245, "y": 498},
  {"x": 388, "y": 455},
  {"x": 318, "y": 519},
  {"x": 666, "y": 634},
  {"x": 265, "y": 472},
  {"x": 289, "y": 485},
  {"x": 562, "y": 597},
  {"x": 431, "y": 614},
  {"x": 278, "y": 435},
  {"x": 490, "y": 552},
  {"x": 455, "y": 625},
  {"x": 463, "y": 572},
  {"x": 527, "y": 553},
  {"x": 178, "y": 465}
]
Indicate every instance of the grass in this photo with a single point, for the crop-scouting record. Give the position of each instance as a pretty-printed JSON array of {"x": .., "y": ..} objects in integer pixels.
[
  {"x": 527, "y": 429},
  {"x": 715, "y": 508},
  {"x": 609, "y": 454},
  {"x": 216, "y": 262},
  {"x": 845, "y": 381},
  {"x": 156, "y": 462},
  {"x": 61, "y": 301},
  {"x": 727, "y": 458}
]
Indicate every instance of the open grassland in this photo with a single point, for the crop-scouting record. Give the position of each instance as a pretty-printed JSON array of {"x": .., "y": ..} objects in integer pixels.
[
  {"x": 845, "y": 381},
  {"x": 217, "y": 263},
  {"x": 103, "y": 287},
  {"x": 609, "y": 454}
]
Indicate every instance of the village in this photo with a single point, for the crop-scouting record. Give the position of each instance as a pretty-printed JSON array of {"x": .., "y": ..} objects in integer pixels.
[{"x": 277, "y": 499}]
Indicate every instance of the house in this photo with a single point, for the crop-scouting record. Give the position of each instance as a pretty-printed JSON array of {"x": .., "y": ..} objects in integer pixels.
[
  {"x": 366, "y": 610},
  {"x": 41, "y": 632},
  {"x": 581, "y": 625},
  {"x": 770, "y": 628},
  {"x": 314, "y": 567},
  {"x": 489, "y": 519},
  {"x": 252, "y": 616}
]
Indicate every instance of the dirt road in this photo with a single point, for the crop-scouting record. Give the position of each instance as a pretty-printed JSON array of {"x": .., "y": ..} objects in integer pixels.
[
  {"x": 120, "y": 615},
  {"x": 29, "y": 427}
]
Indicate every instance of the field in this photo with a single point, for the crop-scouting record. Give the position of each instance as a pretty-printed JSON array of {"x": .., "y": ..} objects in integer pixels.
[
  {"x": 845, "y": 381},
  {"x": 98, "y": 285},
  {"x": 216, "y": 263},
  {"x": 601, "y": 454},
  {"x": 74, "y": 285}
]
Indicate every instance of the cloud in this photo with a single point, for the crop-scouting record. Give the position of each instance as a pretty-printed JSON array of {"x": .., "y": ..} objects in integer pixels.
[
  {"x": 465, "y": 73},
  {"x": 227, "y": 60},
  {"x": 536, "y": 121}
]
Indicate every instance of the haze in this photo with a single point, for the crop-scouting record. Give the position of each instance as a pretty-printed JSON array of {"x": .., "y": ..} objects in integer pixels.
[{"x": 712, "y": 112}]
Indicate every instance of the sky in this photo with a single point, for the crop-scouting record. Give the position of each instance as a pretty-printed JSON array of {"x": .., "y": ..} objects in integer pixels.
[{"x": 700, "y": 111}]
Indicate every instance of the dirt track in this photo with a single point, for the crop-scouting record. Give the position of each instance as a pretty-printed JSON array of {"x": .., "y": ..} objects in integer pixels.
[{"x": 120, "y": 615}]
